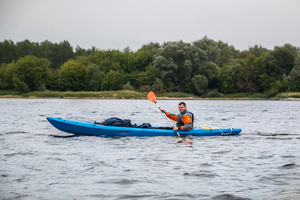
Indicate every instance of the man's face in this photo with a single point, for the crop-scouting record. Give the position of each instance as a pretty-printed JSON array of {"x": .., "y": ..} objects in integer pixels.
[{"x": 181, "y": 108}]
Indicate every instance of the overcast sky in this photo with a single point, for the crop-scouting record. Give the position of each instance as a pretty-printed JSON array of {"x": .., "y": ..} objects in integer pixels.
[{"x": 116, "y": 24}]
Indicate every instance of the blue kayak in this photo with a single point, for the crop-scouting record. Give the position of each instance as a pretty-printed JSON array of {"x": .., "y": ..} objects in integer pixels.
[{"x": 92, "y": 129}]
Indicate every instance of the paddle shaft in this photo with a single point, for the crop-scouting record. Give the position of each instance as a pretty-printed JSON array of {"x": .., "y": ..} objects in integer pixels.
[{"x": 167, "y": 118}]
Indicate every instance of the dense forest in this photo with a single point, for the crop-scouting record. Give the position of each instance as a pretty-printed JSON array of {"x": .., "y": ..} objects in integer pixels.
[{"x": 201, "y": 67}]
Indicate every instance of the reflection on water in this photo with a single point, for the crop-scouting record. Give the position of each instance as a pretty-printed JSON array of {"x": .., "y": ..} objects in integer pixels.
[
  {"x": 186, "y": 140},
  {"x": 39, "y": 161}
]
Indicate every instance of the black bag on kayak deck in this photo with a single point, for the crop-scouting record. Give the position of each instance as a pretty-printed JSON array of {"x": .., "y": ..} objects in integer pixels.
[
  {"x": 143, "y": 125},
  {"x": 114, "y": 121}
]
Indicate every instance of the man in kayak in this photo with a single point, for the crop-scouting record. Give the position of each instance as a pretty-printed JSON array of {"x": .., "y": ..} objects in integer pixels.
[{"x": 184, "y": 120}]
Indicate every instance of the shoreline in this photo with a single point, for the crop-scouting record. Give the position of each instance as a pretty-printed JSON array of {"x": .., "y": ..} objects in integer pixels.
[
  {"x": 159, "y": 98},
  {"x": 130, "y": 94}
]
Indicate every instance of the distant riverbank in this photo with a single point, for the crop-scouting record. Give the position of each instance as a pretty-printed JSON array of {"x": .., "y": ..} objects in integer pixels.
[{"x": 128, "y": 94}]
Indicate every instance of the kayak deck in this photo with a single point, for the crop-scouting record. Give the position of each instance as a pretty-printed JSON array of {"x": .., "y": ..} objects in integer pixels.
[{"x": 89, "y": 128}]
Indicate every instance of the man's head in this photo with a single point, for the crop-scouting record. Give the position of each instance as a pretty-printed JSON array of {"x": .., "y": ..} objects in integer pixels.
[{"x": 181, "y": 107}]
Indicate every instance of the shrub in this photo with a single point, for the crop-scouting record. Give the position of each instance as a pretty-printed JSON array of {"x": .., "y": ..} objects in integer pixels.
[
  {"x": 288, "y": 95},
  {"x": 277, "y": 87},
  {"x": 20, "y": 85},
  {"x": 158, "y": 85},
  {"x": 127, "y": 86},
  {"x": 145, "y": 88},
  {"x": 42, "y": 88},
  {"x": 214, "y": 93}
]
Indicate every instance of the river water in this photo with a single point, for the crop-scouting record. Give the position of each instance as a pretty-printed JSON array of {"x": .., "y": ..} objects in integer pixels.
[{"x": 38, "y": 161}]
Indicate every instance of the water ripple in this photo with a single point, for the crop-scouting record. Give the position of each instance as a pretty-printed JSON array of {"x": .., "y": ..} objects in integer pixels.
[{"x": 41, "y": 162}]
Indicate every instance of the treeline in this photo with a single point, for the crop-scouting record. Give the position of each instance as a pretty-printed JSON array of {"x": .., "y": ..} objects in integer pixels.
[{"x": 202, "y": 67}]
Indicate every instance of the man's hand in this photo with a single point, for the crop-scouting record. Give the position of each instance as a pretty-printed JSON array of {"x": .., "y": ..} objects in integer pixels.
[
  {"x": 175, "y": 128},
  {"x": 161, "y": 109}
]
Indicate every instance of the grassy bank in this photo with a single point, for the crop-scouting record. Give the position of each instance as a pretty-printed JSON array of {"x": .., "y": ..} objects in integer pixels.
[
  {"x": 123, "y": 94},
  {"x": 176, "y": 95},
  {"x": 286, "y": 95},
  {"x": 127, "y": 94},
  {"x": 258, "y": 96},
  {"x": 243, "y": 95}
]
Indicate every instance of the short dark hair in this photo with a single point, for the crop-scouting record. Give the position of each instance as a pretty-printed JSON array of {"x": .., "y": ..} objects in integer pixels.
[{"x": 182, "y": 103}]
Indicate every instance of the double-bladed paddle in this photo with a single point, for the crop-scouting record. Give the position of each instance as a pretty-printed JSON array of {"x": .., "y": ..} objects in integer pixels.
[{"x": 151, "y": 96}]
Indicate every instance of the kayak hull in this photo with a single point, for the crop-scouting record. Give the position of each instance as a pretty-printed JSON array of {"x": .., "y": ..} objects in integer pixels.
[{"x": 89, "y": 128}]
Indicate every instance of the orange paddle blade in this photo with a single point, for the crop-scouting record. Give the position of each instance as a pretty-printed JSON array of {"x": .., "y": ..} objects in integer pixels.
[{"x": 151, "y": 96}]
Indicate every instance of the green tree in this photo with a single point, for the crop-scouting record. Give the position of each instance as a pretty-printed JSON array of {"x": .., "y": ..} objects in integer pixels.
[
  {"x": 136, "y": 61},
  {"x": 294, "y": 49},
  {"x": 200, "y": 83},
  {"x": 246, "y": 73},
  {"x": 8, "y": 51},
  {"x": 212, "y": 72},
  {"x": 142, "y": 79},
  {"x": 72, "y": 76},
  {"x": 296, "y": 86},
  {"x": 225, "y": 83},
  {"x": 91, "y": 50},
  {"x": 7, "y": 75},
  {"x": 151, "y": 48},
  {"x": 94, "y": 77},
  {"x": 226, "y": 56},
  {"x": 25, "y": 48},
  {"x": 158, "y": 85},
  {"x": 178, "y": 61},
  {"x": 233, "y": 52},
  {"x": 210, "y": 47},
  {"x": 278, "y": 62},
  {"x": 138, "y": 78},
  {"x": 2, "y": 73},
  {"x": 168, "y": 83},
  {"x": 60, "y": 53},
  {"x": 294, "y": 75},
  {"x": 32, "y": 71},
  {"x": 113, "y": 80},
  {"x": 80, "y": 51},
  {"x": 45, "y": 49},
  {"x": 257, "y": 50},
  {"x": 132, "y": 78},
  {"x": 277, "y": 87},
  {"x": 243, "y": 54},
  {"x": 53, "y": 83},
  {"x": 20, "y": 85},
  {"x": 127, "y": 86},
  {"x": 152, "y": 73},
  {"x": 106, "y": 60},
  {"x": 55, "y": 53},
  {"x": 266, "y": 81}
]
